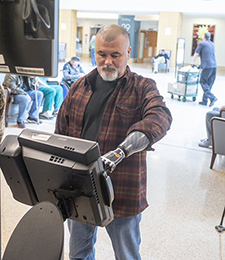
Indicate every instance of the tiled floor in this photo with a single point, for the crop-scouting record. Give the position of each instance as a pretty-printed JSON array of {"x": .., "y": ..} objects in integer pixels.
[{"x": 186, "y": 198}]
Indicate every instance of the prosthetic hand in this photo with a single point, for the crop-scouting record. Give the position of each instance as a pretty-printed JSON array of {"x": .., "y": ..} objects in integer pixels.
[
  {"x": 112, "y": 158},
  {"x": 134, "y": 142}
]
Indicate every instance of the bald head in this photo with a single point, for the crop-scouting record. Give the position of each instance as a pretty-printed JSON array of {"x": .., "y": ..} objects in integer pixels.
[
  {"x": 112, "y": 51},
  {"x": 111, "y": 32}
]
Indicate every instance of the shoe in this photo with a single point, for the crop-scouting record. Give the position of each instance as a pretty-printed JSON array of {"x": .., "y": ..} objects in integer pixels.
[
  {"x": 205, "y": 143},
  {"x": 21, "y": 125},
  {"x": 203, "y": 103},
  {"x": 55, "y": 112},
  {"x": 46, "y": 115},
  {"x": 156, "y": 72},
  {"x": 33, "y": 120},
  {"x": 213, "y": 102}
]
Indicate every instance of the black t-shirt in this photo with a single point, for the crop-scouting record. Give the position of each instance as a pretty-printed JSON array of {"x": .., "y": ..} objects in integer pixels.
[{"x": 102, "y": 91}]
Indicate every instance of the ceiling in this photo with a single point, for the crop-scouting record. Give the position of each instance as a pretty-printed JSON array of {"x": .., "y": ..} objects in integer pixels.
[{"x": 197, "y": 8}]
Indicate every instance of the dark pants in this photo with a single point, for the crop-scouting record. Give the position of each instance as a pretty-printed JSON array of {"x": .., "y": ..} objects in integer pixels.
[{"x": 207, "y": 79}]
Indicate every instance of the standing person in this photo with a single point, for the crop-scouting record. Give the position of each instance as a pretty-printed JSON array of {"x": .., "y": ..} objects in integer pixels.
[
  {"x": 160, "y": 58},
  {"x": 23, "y": 91},
  {"x": 72, "y": 71},
  {"x": 126, "y": 115},
  {"x": 206, "y": 51},
  {"x": 92, "y": 50}
]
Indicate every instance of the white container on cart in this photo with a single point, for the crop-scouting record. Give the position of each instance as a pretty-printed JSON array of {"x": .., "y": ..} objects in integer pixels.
[{"x": 187, "y": 83}]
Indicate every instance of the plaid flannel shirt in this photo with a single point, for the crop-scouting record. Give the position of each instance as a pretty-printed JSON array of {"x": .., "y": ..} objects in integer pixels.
[{"x": 135, "y": 105}]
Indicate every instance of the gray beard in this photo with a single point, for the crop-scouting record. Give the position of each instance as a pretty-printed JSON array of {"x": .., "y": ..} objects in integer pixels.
[{"x": 108, "y": 76}]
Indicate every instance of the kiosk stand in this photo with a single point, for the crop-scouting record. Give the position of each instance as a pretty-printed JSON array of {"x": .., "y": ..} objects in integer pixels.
[
  {"x": 220, "y": 228},
  {"x": 61, "y": 177},
  {"x": 38, "y": 235}
]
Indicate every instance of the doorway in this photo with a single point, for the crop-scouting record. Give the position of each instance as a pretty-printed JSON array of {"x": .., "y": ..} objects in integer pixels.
[{"x": 147, "y": 45}]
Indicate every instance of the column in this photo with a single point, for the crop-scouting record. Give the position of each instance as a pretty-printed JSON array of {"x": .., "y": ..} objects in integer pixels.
[
  {"x": 68, "y": 30},
  {"x": 169, "y": 30}
]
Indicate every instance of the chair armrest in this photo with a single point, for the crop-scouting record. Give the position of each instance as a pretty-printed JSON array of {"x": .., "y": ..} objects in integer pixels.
[
  {"x": 8, "y": 95},
  {"x": 49, "y": 82}
]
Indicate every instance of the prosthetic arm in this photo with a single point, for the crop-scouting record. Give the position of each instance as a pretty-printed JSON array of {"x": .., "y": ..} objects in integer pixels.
[{"x": 134, "y": 142}]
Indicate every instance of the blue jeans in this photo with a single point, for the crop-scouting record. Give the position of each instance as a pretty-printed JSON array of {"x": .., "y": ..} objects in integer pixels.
[
  {"x": 24, "y": 104},
  {"x": 123, "y": 232},
  {"x": 35, "y": 106},
  {"x": 93, "y": 61}
]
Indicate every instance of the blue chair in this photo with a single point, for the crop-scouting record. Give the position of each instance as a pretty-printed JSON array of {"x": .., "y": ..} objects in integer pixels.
[{"x": 164, "y": 66}]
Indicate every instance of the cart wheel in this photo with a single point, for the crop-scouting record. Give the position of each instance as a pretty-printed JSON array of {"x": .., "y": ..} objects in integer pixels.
[
  {"x": 194, "y": 98},
  {"x": 178, "y": 98},
  {"x": 172, "y": 96},
  {"x": 184, "y": 99}
]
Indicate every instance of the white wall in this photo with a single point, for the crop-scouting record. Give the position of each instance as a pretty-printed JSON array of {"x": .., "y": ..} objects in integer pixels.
[
  {"x": 87, "y": 24},
  {"x": 149, "y": 25},
  {"x": 187, "y": 32},
  {"x": 219, "y": 38},
  {"x": 146, "y": 6}
]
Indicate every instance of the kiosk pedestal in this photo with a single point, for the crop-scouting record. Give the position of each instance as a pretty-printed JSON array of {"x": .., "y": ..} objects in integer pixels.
[{"x": 38, "y": 235}]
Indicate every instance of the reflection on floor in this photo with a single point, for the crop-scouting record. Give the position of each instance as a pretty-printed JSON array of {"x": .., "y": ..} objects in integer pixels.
[{"x": 186, "y": 198}]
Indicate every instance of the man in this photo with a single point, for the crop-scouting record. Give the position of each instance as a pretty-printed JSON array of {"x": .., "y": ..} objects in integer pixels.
[
  {"x": 160, "y": 58},
  {"x": 206, "y": 51},
  {"x": 207, "y": 142},
  {"x": 126, "y": 115},
  {"x": 72, "y": 71},
  {"x": 92, "y": 50},
  {"x": 24, "y": 94}
]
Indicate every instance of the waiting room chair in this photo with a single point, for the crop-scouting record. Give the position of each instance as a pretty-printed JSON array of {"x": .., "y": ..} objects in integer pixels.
[
  {"x": 218, "y": 136},
  {"x": 164, "y": 66},
  {"x": 11, "y": 109}
]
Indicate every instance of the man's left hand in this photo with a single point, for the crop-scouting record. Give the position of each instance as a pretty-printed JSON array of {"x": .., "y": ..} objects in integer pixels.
[{"x": 112, "y": 158}]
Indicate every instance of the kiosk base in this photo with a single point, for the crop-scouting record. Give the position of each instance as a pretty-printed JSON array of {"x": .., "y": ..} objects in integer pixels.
[{"x": 38, "y": 235}]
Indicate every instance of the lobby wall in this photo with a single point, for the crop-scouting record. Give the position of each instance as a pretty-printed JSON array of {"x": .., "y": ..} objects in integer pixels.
[
  {"x": 86, "y": 24},
  {"x": 186, "y": 32},
  {"x": 219, "y": 39}
]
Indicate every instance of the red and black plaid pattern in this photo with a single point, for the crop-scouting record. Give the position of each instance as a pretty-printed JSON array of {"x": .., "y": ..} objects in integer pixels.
[{"x": 135, "y": 105}]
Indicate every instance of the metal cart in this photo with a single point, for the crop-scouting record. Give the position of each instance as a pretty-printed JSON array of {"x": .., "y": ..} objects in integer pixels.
[{"x": 187, "y": 83}]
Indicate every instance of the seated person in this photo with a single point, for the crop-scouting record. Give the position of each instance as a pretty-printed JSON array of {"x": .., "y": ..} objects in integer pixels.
[
  {"x": 2, "y": 114},
  {"x": 72, "y": 71},
  {"x": 160, "y": 58},
  {"x": 53, "y": 98},
  {"x": 23, "y": 92},
  {"x": 206, "y": 142}
]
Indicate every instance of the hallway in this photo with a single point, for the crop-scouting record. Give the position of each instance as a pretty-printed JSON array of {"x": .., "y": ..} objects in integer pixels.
[{"x": 186, "y": 198}]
